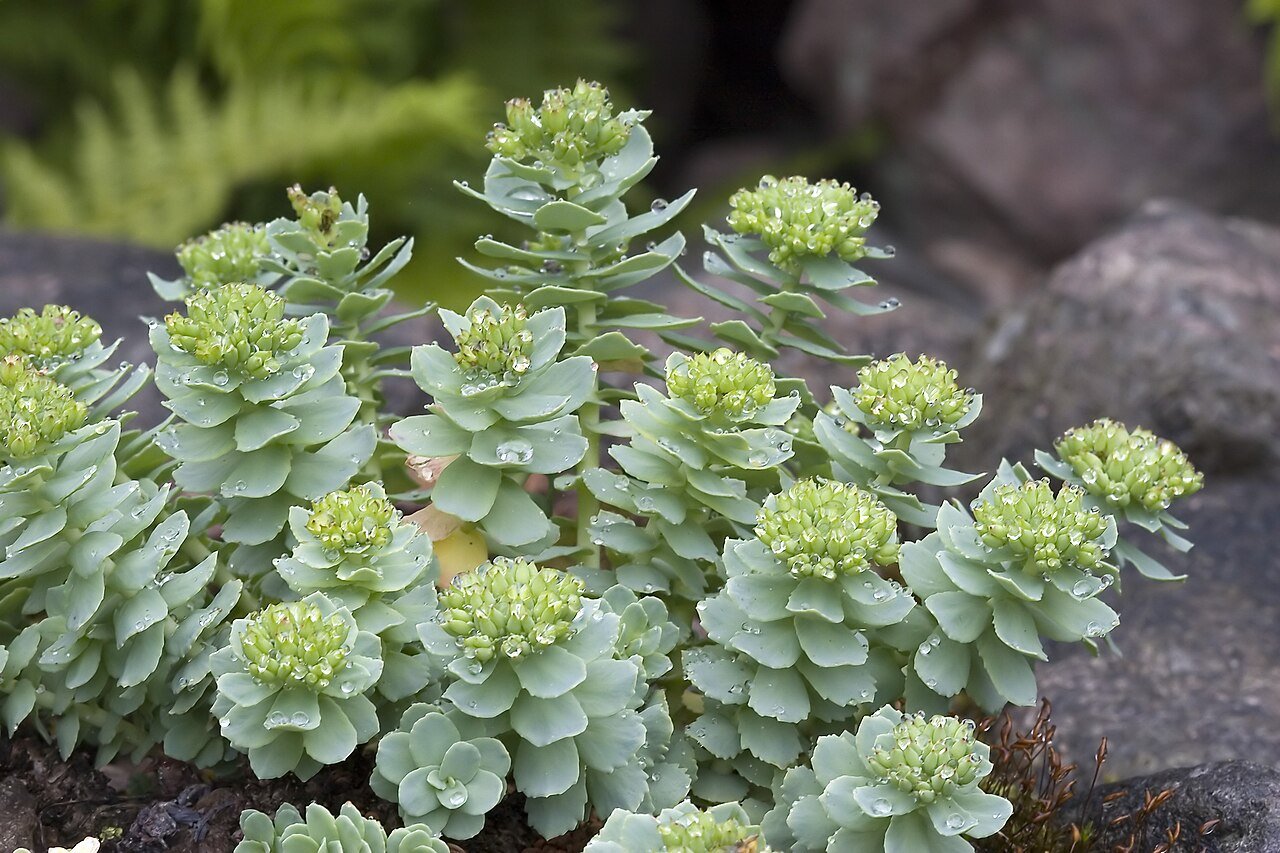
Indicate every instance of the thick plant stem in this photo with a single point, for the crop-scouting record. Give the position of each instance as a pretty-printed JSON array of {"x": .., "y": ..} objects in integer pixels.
[{"x": 589, "y": 415}]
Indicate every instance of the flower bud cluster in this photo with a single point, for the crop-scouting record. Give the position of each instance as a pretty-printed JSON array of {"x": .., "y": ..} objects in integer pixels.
[
  {"x": 295, "y": 644},
  {"x": 352, "y": 521},
  {"x": 56, "y": 333},
  {"x": 317, "y": 213},
  {"x": 495, "y": 345},
  {"x": 1129, "y": 468},
  {"x": 797, "y": 219},
  {"x": 722, "y": 384},
  {"x": 930, "y": 757},
  {"x": 1043, "y": 530},
  {"x": 35, "y": 411},
  {"x": 510, "y": 607},
  {"x": 239, "y": 327},
  {"x": 821, "y": 528},
  {"x": 897, "y": 393},
  {"x": 572, "y": 127},
  {"x": 230, "y": 253},
  {"x": 699, "y": 832}
]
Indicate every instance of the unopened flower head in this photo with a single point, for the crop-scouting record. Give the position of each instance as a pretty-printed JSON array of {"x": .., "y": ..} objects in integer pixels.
[
  {"x": 699, "y": 832},
  {"x": 496, "y": 345},
  {"x": 573, "y": 127},
  {"x": 229, "y": 254},
  {"x": 239, "y": 327},
  {"x": 929, "y": 758},
  {"x": 295, "y": 644},
  {"x": 820, "y": 528},
  {"x": 317, "y": 213},
  {"x": 797, "y": 219},
  {"x": 55, "y": 334},
  {"x": 1129, "y": 468},
  {"x": 897, "y": 393},
  {"x": 1042, "y": 530},
  {"x": 510, "y": 608},
  {"x": 723, "y": 384},
  {"x": 353, "y": 521},
  {"x": 35, "y": 410}
]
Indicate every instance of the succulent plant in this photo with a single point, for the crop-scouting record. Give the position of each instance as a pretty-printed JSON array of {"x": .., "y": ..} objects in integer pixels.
[
  {"x": 321, "y": 832},
  {"x": 504, "y": 406},
  {"x": 292, "y": 686},
  {"x": 442, "y": 770},
  {"x": 910, "y": 412},
  {"x": 572, "y": 130},
  {"x": 797, "y": 219},
  {"x": 902, "y": 784},
  {"x": 234, "y": 252},
  {"x": 685, "y": 828},
  {"x": 540, "y": 663},
  {"x": 264, "y": 418},
  {"x": 54, "y": 335},
  {"x": 1132, "y": 476},
  {"x": 1028, "y": 563}
]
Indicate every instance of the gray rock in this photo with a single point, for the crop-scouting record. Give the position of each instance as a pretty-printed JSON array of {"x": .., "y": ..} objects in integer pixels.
[
  {"x": 1195, "y": 678},
  {"x": 1172, "y": 322},
  {"x": 18, "y": 820},
  {"x": 1244, "y": 799}
]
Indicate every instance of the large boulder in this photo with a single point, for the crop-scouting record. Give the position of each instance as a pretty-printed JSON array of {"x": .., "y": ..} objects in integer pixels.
[{"x": 1172, "y": 322}]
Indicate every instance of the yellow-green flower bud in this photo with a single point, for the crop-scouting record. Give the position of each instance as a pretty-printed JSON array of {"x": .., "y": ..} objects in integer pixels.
[
  {"x": 1129, "y": 468},
  {"x": 821, "y": 528},
  {"x": 238, "y": 326},
  {"x": 573, "y": 127},
  {"x": 317, "y": 213},
  {"x": 723, "y": 384},
  {"x": 699, "y": 832},
  {"x": 35, "y": 411},
  {"x": 1043, "y": 531},
  {"x": 930, "y": 758},
  {"x": 510, "y": 607},
  {"x": 55, "y": 334},
  {"x": 897, "y": 393},
  {"x": 230, "y": 253},
  {"x": 295, "y": 644},
  {"x": 797, "y": 219},
  {"x": 352, "y": 521},
  {"x": 495, "y": 345}
]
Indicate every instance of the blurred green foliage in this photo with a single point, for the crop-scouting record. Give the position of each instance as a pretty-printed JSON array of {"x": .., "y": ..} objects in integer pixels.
[{"x": 163, "y": 120}]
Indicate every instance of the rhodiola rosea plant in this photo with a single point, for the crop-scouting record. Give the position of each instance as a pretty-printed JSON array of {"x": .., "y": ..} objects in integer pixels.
[{"x": 618, "y": 567}]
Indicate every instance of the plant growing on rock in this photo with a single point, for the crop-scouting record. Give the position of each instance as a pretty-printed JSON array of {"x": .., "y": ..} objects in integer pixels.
[{"x": 677, "y": 592}]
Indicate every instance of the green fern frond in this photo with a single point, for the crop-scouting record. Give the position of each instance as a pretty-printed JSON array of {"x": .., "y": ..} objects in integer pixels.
[{"x": 158, "y": 169}]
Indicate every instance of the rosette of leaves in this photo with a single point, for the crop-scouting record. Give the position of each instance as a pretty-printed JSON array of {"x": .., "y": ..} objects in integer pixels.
[
  {"x": 98, "y": 606},
  {"x": 321, "y": 831},
  {"x": 812, "y": 234},
  {"x": 901, "y": 784},
  {"x": 562, "y": 169},
  {"x": 539, "y": 663},
  {"x": 1028, "y": 563},
  {"x": 68, "y": 346},
  {"x": 893, "y": 428},
  {"x": 354, "y": 546},
  {"x": 442, "y": 770},
  {"x": 265, "y": 422},
  {"x": 724, "y": 828},
  {"x": 504, "y": 406},
  {"x": 1133, "y": 476},
  {"x": 233, "y": 252},
  {"x": 292, "y": 685},
  {"x": 791, "y": 630},
  {"x": 696, "y": 464}
]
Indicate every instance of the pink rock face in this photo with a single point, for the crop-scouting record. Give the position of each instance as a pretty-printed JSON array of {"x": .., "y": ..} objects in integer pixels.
[{"x": 1051, "y": 118}]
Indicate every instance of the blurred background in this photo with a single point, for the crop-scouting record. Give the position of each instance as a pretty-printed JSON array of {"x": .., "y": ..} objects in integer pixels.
[{"x": 1084, "y": 196}]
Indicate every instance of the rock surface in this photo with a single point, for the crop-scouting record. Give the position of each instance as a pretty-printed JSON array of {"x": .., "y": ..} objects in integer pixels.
[
  {"x": 1244, "y": 799},
  {"x": 1172, "y": 322},
  {"x": 18, "y": 820}
]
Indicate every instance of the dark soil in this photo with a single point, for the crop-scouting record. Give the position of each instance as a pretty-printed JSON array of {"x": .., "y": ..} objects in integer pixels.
[{"x": 164, "y": 805}]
